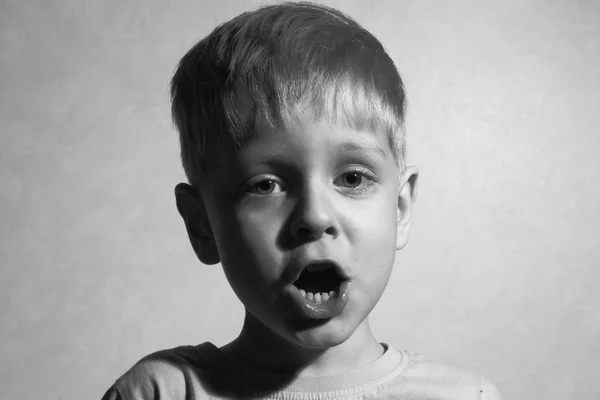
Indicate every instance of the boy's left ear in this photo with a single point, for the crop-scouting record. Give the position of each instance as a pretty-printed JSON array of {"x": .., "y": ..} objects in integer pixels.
[{"x": 406, "y": 198}]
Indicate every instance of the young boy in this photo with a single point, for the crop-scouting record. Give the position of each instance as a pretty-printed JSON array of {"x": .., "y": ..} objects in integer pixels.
[{"x": 291, "y": 125}]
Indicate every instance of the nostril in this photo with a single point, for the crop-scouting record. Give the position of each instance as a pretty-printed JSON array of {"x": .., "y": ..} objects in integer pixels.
[{"x": 306, "y": 233}]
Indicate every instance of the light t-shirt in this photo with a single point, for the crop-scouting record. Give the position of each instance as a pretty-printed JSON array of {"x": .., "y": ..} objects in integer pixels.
[{"x": 204, "y": 372}]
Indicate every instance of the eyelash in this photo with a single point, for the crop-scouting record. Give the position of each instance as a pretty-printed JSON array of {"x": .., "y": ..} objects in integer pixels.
[
  {"x": 362, "y": 173},
  {"x": 256, "y": 182}
]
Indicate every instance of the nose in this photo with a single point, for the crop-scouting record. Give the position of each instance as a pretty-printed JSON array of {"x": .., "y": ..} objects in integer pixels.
[{"x": 314, "y": 216}]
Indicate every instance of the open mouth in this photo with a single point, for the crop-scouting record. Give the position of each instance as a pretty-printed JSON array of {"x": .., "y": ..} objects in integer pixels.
[
  {"x": 319, "y": 282},
  {"x": 321, "y": 289}
]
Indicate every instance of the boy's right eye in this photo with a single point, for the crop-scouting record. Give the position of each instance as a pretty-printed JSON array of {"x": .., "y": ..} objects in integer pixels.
[{"x": 264, "y": 187}]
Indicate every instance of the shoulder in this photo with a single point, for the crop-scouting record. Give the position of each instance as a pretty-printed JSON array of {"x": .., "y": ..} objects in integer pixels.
[
  {"x": 164, "y": 374},
  {"x": 448, "y": 378}
]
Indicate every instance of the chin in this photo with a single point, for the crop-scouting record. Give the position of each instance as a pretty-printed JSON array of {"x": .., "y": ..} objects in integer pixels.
[{"x": 323, "y": 334}]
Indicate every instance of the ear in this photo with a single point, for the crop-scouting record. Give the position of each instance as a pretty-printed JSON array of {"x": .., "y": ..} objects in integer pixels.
[
  {"x": 193, "y": 211},
  {"x": 407, "y": 194}
]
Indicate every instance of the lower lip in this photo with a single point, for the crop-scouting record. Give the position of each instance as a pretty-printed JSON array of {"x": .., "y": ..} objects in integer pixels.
[{"x": 328, "y": 309}]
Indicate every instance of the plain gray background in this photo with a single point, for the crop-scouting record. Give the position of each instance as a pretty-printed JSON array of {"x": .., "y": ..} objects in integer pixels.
[{"x": 500, "y": 275}]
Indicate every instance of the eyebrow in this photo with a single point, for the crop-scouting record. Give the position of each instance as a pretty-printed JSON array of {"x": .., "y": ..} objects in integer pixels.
[
  {"x": 363, "y": 146},
  {"x": 352, "y": 145}
]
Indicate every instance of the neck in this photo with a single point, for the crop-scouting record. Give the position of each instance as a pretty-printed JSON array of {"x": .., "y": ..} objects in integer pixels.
[{"x": 260, "y": 347}]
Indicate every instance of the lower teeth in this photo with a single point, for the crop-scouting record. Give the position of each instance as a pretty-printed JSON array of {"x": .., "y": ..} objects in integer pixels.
[{"x": 318, "y": 297}]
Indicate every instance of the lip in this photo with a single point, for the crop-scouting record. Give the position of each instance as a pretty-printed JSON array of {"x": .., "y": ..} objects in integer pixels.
[{"x": 325, "y": 310}]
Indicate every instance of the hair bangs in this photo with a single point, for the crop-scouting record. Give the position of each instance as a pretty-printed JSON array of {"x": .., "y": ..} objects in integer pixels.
[
  {"x": 354, "y": 100},
  {"x": 352, "y": 103}
]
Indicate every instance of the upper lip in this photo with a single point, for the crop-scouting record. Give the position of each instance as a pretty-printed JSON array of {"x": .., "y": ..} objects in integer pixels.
[{"x": 293, "y": 273}]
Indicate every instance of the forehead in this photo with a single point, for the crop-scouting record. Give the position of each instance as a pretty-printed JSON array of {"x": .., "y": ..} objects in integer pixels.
[{"x": 313, "y": 139}]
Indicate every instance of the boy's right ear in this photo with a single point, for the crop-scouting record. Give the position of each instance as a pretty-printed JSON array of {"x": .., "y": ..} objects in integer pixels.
[{"x": 193, "y": 211}]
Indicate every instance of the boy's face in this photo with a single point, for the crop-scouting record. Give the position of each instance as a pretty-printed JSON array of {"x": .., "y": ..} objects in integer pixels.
[{"x": 290, "y": 198}]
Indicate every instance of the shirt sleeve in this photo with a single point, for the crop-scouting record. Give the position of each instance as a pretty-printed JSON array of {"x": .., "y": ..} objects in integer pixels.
[{"x": 112, "y": 394}]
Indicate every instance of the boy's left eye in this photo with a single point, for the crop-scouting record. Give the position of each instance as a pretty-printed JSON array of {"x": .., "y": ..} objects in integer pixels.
[
  {"x": 357, "y": 181},
  {"x": 353, "y": 179}
]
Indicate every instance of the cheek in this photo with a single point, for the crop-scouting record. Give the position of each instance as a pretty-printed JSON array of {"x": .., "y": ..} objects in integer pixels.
[
  {"x": 248, "y": 243},
  {"x": 375, "y": 241},
  {"x": 377, "y": 222},
  {"x": 259, "y": 229}
]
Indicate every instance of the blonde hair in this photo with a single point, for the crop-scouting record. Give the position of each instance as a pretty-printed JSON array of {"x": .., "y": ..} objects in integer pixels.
[{"x": 267, "y": 67}]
